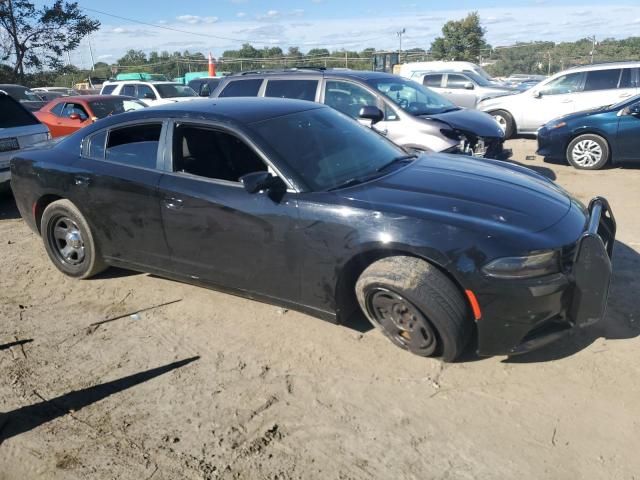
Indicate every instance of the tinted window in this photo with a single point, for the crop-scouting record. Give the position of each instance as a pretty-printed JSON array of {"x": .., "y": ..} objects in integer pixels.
[
  {"x": 242, "y": 88},
  {"x": 296, "y": 89},
  {"x": 57, "y": 109},
  {"x": 74, "y": 108},
  {"x": 569, "y": 83},
  {"x": 213, "y": 154},
  {"x": 348, "y": 97},
  {"x": 325, "y": 148},
  {"x": 602, "y": 80},
  {"x": 12, "y": 114},
  {"x": 129, "y": 90},
  {"x": 108, "y": 89},
  {"x": 135, "y": 145},
  {"x": 96, "y": 143},
  {"x": 456, "y": 81},
  {"x": 173, "y": 90},
  {"x": 112, "y": 106},
  {"x": 411, "y": 96},
  {"x": 145, "y": 91},
  {"x": 432, "y": 80}
]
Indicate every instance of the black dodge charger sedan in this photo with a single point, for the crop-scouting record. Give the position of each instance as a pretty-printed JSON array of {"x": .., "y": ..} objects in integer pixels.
[{"x": 294, "y": 203}]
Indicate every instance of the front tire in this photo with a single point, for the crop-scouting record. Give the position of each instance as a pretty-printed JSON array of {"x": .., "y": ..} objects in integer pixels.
[
  {"x": 416, "y": 306},
  {"x": 506, "y": 122},
  {"x": 69, "y": 241},
  {"x": 588, "y": 152}
]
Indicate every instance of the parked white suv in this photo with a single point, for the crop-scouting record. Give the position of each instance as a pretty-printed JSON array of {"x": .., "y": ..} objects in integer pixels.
[
  {"x": 151, "y": 93},
  {"x": 573, "y": 90}
]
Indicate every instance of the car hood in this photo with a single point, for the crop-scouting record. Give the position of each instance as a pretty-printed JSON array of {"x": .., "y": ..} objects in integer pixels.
[
  {"x": 495, "y": 197},
  {"x": 472, "y": 121},
  {"x": 583, "y": 114}
]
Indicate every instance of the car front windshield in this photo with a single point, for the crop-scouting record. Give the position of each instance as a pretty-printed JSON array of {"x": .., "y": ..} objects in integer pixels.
[
  {"x": 327, "y": 149},
  {"x": 112, "y": 106},
  {"x": 411, "y": 96},
  {"x": 173, "y": 90}
]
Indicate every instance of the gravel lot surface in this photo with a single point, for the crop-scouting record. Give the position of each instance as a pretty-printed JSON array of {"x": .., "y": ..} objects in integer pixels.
[{"x": 131, "y": 376}]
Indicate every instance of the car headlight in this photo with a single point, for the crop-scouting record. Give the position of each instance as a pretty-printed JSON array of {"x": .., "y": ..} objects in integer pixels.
[{"x": 534, "y": 265}]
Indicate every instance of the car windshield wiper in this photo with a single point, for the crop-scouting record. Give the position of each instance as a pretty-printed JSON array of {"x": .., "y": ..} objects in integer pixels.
[
  {"x": 402, "y": 158},
  {"x": 348, "y": 183}
]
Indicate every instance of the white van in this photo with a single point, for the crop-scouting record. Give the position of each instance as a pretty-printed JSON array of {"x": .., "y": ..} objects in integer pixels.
[
  {"x": 573, "y": 90},
  {"x": 415, "y": 70}
]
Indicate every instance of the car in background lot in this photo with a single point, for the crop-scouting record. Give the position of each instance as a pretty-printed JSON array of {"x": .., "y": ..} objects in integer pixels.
[
  {"x": 68, "y": 114},
  {"x": 591, "y": 139},
  {"x": 411, "y": 115},
  {"x": 204, "y": 86},
  {"x": 415, "y": 70},
  {"x": 19, "y": 129},
  {"x": 294, "y": 203},
  {"x": 151, "y": 93},
  {"x": 62, "y": 90},
  {"x": 29, "y": 99},
  {"x": 573, "y": 90},
  {"x": 464, "y": 89}
]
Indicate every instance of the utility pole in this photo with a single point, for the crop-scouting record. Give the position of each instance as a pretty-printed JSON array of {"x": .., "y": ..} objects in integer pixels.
[
  {"x": 346, "y": 59},
  {"x": 93, "y": 63},
  {"x": 399, "y": 34},
  {"x": 593, "y": 46}
]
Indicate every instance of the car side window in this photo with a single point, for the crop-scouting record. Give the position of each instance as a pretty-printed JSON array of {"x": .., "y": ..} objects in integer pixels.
[
  {"x": 456, "y": 81},
  {"x": 108, "y": 89},
  {"x": 74, "y": 108},
  {"x": 432, "y": 80},
  {"x": 129, "y": 90},
  {"x": 211, "y": 153},
  {"x": 242, "y": 88},
  {"x": 135, "y": 145},
  {"x": 296, "y": 89},
  {"x": 569, "y": 83},
  {"x": 94, "y": 147},
  {"x": 145, "y": 93},
  {"x": 204, "y": 90},
  {"x": 602, "y": 80},
  {"x": 347, "y": 97},
  {"x": 57, "y": 109}
]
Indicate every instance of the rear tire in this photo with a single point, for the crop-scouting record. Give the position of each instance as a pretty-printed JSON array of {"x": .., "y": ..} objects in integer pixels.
[
  {"x": 69, "y": 241},
  {"x": 506, "y": 122},
  {"x": 416, "y": 306},
  {"x": 588, "y": 152}
]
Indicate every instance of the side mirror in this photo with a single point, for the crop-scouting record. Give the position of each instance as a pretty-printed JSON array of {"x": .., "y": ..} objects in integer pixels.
[
  {"x": 371, "y": 113},
  {"x": 74, "y": 116},
  {"x": 537, "y": 94},
  {"x": 469, "y": 86},
  {"x": 634, "y": 110},
  {"x": 257, "y": 181},
  {"x": 149, "y": 96}
]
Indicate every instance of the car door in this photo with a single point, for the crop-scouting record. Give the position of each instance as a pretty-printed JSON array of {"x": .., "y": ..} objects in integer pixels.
[
  {"x": 116, "y": 180},
  {"x": 65, "y": 124},
  {"x": 435, "y": 82},
  {"x": 551, "y": 100},
  {"x": 456, "y": 91},
  {"x": 627, "y": 145},
  {"x": 218, "y": 232}
]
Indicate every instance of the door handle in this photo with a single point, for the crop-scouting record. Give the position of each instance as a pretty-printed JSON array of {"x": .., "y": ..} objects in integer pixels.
[
  {"x": 82, "y": 180},
  {"x": 173, "y": 203},
  {"x": 625, "y": 95}
]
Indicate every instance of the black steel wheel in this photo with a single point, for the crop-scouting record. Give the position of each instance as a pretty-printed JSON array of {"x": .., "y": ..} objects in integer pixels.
[
  {"x": 69, "y": 241},
  {"x": 416, "y": 306}
]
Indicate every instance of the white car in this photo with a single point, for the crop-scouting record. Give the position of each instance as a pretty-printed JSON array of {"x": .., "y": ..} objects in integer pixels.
[
  {"x": 573, "y": 90},
  {"x": 151, "y": 93}
]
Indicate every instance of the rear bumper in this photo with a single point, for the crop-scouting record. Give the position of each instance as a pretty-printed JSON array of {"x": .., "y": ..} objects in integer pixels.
[{"x": 520, "y": 316}]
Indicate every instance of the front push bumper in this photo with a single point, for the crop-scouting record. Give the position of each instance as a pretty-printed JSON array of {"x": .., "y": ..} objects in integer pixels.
[{"x": 540, "y": 311}]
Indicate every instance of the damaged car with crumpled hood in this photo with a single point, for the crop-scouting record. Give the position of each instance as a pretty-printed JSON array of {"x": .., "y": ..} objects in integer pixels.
[{"x": 408, "y": 113}]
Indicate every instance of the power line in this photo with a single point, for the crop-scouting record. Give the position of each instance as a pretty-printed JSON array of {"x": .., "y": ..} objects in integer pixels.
[{"x": 219, "y": 37}]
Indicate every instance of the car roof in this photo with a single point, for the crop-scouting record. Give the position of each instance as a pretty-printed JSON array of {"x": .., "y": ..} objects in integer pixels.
[
  {"x": 90, "y": 98},
  {"x": 243, "y": 110},
  {"x": 154, "y": 82},
  {"x": 331, "y": 73},
  {"x": 605, "y": 66},
  {"x": 12, "y": 86}
]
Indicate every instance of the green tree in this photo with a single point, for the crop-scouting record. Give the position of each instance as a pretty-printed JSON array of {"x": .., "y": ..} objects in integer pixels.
[
  {"x": 460, "y": 40},
  {"x": 39, "y": 36},
  {"x": 133, "y": 57}
]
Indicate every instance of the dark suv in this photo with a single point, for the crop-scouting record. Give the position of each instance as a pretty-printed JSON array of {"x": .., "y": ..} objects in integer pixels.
[{"x": 414, "y": 116}]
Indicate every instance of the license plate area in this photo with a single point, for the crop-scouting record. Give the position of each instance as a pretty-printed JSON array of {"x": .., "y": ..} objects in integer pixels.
[{"x": 9, "y": 144}]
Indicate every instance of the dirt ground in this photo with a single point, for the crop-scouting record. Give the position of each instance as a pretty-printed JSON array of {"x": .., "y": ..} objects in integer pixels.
[{"x": 131, "y": 376}]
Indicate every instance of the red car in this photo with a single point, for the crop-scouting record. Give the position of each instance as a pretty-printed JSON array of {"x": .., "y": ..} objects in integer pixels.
[{"x": 65, "y": 115}]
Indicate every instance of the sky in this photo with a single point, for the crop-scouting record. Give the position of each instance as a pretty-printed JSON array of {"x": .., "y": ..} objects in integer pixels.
[{"x": 218, "y": 25}]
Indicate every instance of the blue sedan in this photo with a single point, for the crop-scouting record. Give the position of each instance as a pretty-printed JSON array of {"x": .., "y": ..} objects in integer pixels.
[{"x": 591, "y": 139}]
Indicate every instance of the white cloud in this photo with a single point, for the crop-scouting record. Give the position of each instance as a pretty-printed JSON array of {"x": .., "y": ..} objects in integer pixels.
[
  {"x": 270, "y": 15},
  {"x": 196, "y": 19},
  {"x": 241, "y": 14}
]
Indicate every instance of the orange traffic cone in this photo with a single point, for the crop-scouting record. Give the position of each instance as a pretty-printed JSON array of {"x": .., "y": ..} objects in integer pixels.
[{"x": 212, "y": 66}]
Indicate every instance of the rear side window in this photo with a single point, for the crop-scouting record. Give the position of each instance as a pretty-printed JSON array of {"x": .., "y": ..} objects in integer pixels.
[
  {"x": 129, "y": 90},
  {"x": 432, "y": 80},
  {"x": 602, "y": 80},
  {"x": 95, "y": 145},
  {"x": 108, "y": 89},
  {"x": 296, "y": 89},
  {"x": 12, "y": 114},
  {"x": 135, "y": 145},
  {"x": 629, "y": 78},
  {"x": 242, "y": 88},
  {"x": 145, "y": 92}
]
